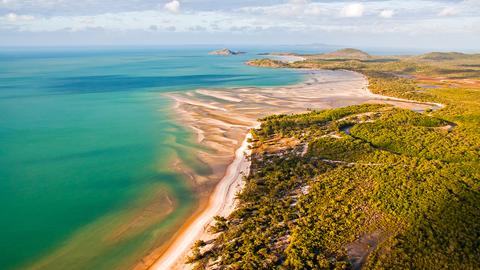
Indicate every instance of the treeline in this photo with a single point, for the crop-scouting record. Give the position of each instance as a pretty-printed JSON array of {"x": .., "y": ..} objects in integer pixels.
[{"x": 288, "y": 125}]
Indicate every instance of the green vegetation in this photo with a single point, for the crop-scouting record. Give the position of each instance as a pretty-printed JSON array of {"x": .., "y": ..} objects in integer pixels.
[
  {"x": 441, "y": 56},
  {"x": 267, "y": 63},
  {"x": 368, "y": 186}
]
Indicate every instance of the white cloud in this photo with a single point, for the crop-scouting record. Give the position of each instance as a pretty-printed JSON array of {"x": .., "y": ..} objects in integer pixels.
[
  {"x": 299, "y": 2},
  {"x": 299, "y": 17},
  {"x": 448, "y": 11},
  {"x": 315, "y": 10},
  {"x": 173, "y": 6},
  {"x": 353, "y": 10},
  {"x": 292, "y": 8},
  {"x": 13, "y": 17},
  {"x": 472, "y": 3},
  {"x": 387, "y": 13}
]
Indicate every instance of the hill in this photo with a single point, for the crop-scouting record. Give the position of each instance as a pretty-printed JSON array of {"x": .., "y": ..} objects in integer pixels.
[
  {"x": 440, "y": 56},
  {"x": 347, "y": 53}
]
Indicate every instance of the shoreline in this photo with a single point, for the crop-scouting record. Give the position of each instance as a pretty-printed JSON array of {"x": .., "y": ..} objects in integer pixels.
[
  {"x": 286, "y": 58},
  {"x": 221, "y": 202},
  {"x": 337, "y": 89}
]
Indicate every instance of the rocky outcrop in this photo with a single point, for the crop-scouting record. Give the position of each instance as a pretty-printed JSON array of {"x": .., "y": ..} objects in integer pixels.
[{"x": 225, "y": 52}]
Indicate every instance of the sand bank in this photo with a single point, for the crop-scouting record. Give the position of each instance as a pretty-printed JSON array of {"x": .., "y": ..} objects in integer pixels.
[{"x": 222, "y": 202}]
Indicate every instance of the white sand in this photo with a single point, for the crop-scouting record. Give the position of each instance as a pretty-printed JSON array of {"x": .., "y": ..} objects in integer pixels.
[
  {"x": 217, "y": 95},
  {"x": 222, "y": 202},
  {"x": 286, "y": 58}
]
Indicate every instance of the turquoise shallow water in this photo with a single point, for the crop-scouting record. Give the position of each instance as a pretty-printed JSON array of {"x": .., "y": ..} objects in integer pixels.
[{"x": 85, "y": 141}]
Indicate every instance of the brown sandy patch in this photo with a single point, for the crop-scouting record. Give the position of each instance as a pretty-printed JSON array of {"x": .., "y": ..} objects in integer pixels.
[
  {"x": 157, "y": 208},
  {"x": 446, "y": 82}
]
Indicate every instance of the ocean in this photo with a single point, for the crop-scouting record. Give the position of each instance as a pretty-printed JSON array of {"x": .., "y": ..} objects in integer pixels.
[{"x": 86, "y": 145}]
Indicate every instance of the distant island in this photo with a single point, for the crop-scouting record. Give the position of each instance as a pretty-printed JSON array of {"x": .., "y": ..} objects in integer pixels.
[{"x": 225, "y": 52}]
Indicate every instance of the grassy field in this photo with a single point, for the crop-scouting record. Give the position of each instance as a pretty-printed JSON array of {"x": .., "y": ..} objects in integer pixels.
[{"x": 368, "y": 186}]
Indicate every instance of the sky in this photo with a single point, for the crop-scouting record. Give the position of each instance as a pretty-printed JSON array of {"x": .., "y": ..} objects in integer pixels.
[{"x": 443, "y": 25}]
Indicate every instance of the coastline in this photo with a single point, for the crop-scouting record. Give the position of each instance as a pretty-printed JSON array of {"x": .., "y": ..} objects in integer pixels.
[
  {"x": 287, "y": 58},
  {"x": 221, "y": 202},
  {"x": 218, "y": 124}
]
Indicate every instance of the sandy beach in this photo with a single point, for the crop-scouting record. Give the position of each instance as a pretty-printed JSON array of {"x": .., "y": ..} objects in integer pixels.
[
  {"x": 221, "y": 203},
  {"x": 221, "y": 119},
  {"x": 287, "y": 58}
]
